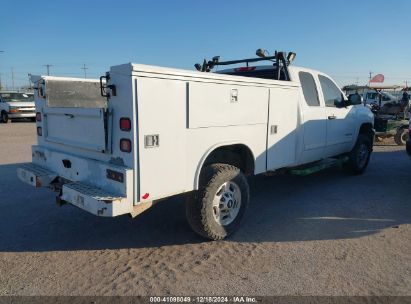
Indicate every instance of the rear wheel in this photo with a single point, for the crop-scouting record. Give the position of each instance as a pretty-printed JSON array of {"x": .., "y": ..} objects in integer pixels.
[
  {"x": 359, "y": 156},
  {"x": 4, "y": 117},
  {"x": 216, "y": 209},
  {"x": 401, "y": 136}
]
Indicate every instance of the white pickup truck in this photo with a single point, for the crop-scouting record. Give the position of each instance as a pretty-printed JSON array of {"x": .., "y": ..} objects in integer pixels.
[{"x": 158, "y": 132}]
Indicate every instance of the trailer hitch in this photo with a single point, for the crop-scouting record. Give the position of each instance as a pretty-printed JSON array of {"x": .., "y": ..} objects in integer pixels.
[{"x": 104, "y": 87}]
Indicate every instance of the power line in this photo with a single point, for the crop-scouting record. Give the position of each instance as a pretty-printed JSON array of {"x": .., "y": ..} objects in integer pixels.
[
  {"x": 85, "y": 70},
  {"x": 48, "y": 68}
]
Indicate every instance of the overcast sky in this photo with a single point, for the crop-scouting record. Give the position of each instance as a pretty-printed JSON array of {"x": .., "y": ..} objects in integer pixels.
[{"x": 346, "y": 39}]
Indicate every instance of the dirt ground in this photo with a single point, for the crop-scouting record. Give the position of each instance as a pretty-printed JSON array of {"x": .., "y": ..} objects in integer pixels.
[{"x": 325, "y": 234}]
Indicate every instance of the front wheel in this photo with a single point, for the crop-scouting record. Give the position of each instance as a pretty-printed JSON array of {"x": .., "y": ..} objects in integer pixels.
[
  {"x": 359, "y": 156},
  {"x": 216, "y": 209},
  {"x": 401, "y": 136}
]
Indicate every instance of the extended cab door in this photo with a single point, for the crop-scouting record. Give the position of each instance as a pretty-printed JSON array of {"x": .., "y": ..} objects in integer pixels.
[
  {"x": 313, "y": 120},
  {"x": 340, "y": 119}
]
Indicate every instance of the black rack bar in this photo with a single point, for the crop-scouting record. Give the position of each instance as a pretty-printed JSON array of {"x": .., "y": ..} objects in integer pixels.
[
  {"x": 245, "y": 60},
  {"x": 280, "y": 62}
]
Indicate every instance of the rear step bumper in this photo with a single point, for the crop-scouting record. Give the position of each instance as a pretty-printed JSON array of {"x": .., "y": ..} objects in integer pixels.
[
  {"x": 93, "y": 200},
  {"x": 89, "y": 198},
  {"x": 35, "y": 175}
]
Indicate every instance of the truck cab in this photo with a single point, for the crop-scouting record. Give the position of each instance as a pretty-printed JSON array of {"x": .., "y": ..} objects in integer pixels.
[{"x": 329, "y": 125}]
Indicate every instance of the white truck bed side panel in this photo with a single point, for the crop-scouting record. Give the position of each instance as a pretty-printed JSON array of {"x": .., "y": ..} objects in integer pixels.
[
  {"x": 161, "y": 112},
  {"x": 214, "y": 105},
  {"x": 203, "y": 141}
]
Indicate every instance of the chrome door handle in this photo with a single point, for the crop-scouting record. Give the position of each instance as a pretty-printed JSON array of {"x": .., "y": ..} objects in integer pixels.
[{"x": 332, "y": 117}]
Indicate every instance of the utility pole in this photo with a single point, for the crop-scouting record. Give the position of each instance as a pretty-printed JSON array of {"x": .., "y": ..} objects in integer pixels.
[
  {"x": 48, "y": 68},
  {"x": 12, "y": 78},
  {"x": 29, "y": 76},
  {"x": 370, "y": 77},
  {"x": 1, "y": 87},
  {"x": 85, "y": 70}
]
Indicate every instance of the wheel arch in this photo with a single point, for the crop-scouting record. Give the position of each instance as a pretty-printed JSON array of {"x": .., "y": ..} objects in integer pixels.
[
  {"x": 231, "y": 153},
  {"x": 367, "y": 129}
]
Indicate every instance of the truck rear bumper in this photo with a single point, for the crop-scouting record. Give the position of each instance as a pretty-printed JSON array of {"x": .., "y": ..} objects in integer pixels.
[
  {"x": 35, "y": 175},
  {"x": 92, "y": 199}
]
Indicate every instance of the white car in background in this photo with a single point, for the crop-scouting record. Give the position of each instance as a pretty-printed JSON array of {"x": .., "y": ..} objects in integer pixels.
[{"x": 17, "y": 105}]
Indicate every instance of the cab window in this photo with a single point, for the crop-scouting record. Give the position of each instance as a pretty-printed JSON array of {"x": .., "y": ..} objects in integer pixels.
[
  {"x": 309, "y": 89},
  {"x": 332, "y": 95}
]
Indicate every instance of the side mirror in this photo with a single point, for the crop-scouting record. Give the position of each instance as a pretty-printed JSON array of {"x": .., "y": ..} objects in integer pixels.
[{"x": 354, "y": 99}]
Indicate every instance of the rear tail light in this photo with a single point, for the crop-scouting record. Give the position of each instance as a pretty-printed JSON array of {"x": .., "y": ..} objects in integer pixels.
[
  {"x": 38, "y": 116},
  {"x": 39, "y": 131},
  {"x": 125, "y": 124},
  {"x": 125, "y": 145},
  {"x": 14, "y": 110}
]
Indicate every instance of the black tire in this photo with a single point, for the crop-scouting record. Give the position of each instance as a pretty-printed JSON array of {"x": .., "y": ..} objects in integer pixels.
[
  {"x": 200, "y": 211},
  {"x": 359, "y": 156},
  {"x": 401, "y": 136},
  {"x": 4, "y": 117},
  {"x": 33, "y": 119},
  {"x": 408, "y": 147}
]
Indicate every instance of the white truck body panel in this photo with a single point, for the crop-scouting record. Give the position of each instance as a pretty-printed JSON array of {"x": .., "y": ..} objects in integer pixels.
[{"x": 178, "y": 118}]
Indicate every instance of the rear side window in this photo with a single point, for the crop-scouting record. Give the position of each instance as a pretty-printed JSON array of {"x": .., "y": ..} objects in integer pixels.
[
  {"x": 309, "y": 89},
  {"x": 264, "y": 74}
]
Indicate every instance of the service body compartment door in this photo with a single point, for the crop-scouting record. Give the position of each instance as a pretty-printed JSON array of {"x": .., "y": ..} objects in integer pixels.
[
  {"x": 222, "y": 105},
  {"x": 162, "y": 139},
  {"x": 282, "y": 128},
  {"x": 75, "y": 113},
  {"x": 78, "y": 127}
]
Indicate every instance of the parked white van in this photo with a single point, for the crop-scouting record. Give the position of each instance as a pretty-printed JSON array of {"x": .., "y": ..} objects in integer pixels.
[{"x": 16, "y": 105}]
